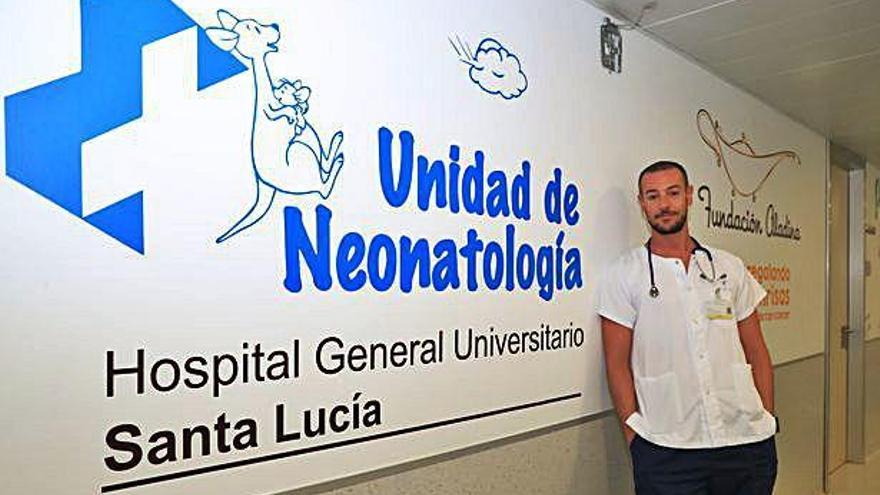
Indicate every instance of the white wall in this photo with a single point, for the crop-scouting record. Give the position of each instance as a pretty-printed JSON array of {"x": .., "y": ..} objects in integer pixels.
[
  {"x": 70, "y": 293},
  {"x": 872, "y": 309},
  {"x": 872, "y": 252}
]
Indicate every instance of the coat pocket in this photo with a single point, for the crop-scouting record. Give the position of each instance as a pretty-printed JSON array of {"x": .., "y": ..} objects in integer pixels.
[
  {"x": 747, "y": 394},
  {"x": 660, "y": 402}
]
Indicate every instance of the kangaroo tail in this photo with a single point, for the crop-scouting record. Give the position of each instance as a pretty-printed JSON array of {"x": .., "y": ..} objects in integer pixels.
[{"x": 265, "y": 196}]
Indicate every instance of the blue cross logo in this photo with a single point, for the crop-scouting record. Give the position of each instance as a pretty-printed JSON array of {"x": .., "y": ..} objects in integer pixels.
[{"x": 104, "y": 95}]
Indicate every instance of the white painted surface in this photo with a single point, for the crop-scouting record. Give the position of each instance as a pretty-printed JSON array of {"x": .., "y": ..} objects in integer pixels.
[
  {"x": 69, "y": 293},
  {"x": 816, "y": 60}
]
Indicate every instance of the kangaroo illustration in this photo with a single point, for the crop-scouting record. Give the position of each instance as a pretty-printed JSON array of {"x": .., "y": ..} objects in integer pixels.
[{"x": 285, "y": 158}]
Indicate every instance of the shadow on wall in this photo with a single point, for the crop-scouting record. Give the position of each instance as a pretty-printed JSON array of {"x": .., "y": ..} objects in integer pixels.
[
  {"x": 618, "y": 468},
  {"x": 614, "y": 210},
  {"x": 604, "y": 456}
]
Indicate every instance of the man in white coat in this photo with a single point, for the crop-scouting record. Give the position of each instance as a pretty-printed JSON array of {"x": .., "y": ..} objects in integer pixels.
[{"x": 688, "y": 370}]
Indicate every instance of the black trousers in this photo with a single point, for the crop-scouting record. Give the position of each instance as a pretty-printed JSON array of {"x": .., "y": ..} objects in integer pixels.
[{"x": 748, "y": 469}]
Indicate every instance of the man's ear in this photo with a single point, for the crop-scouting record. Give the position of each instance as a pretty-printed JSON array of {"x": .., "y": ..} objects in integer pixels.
[
  {"x": 690, "y": 194},
  {"x": 226, "y": 19},
  {"x": 223, "y": 38}
]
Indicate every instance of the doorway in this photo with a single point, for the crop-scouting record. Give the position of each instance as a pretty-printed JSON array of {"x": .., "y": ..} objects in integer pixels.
[
  {"x": 838, "y": 316},
  {"x": 845, "y": 380}
]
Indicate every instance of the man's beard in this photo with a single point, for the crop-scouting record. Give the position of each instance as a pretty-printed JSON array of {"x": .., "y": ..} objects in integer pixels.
[{"x": 672, "y": 229}]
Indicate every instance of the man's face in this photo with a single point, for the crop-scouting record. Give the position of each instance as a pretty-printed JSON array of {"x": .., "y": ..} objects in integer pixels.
[{"x": 665, "y": 199}]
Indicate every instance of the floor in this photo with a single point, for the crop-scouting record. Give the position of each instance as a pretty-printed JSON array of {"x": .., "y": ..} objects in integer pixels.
[{"x": 857, "y": 479}]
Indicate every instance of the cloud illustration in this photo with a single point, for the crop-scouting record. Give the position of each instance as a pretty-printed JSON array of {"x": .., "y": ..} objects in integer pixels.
[{"x": 494, "y": 68}]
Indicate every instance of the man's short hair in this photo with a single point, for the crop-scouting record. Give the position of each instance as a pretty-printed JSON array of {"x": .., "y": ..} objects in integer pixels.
[{"x": 663, "y": 165}]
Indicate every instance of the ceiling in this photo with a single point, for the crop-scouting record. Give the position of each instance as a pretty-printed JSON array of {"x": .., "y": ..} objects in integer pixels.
[{"x": 816, "y": 60}]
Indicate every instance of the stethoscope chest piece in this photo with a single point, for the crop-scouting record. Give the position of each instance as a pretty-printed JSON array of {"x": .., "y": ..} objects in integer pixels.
[{"x": 654, "y": 292}]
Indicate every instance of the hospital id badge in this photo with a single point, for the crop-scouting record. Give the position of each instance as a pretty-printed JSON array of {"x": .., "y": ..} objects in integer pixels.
[{"x": 721, "y": 305}]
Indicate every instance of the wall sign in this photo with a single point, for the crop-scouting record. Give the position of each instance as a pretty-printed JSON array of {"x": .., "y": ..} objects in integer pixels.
[{"x": 249, "y": 248}]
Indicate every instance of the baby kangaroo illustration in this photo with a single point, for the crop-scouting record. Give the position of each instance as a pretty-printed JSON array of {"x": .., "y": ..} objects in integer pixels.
[{"x": 286, "y": 152}]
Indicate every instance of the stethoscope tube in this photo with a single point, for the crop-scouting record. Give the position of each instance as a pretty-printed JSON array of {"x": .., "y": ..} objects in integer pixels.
[{"x": 654, "y": 292}]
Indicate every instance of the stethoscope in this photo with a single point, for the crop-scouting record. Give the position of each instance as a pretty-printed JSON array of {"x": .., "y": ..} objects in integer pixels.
[{"x": 655, "y": 292}]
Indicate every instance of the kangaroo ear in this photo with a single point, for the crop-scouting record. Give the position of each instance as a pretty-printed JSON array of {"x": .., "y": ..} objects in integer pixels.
[
  {"x": 223, "y": 38},
  {"x": 226, "y": 19}
]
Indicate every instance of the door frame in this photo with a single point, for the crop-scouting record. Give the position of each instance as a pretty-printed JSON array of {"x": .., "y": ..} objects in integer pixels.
[
  {"x": 855, "y": 430},
  {"x": 838, "y": 156}
]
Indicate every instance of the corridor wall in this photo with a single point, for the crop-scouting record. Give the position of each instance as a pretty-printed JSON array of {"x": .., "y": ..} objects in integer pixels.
[
  {"x": 872, "y": 309},
  {"x": 255, "y": 248}
]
